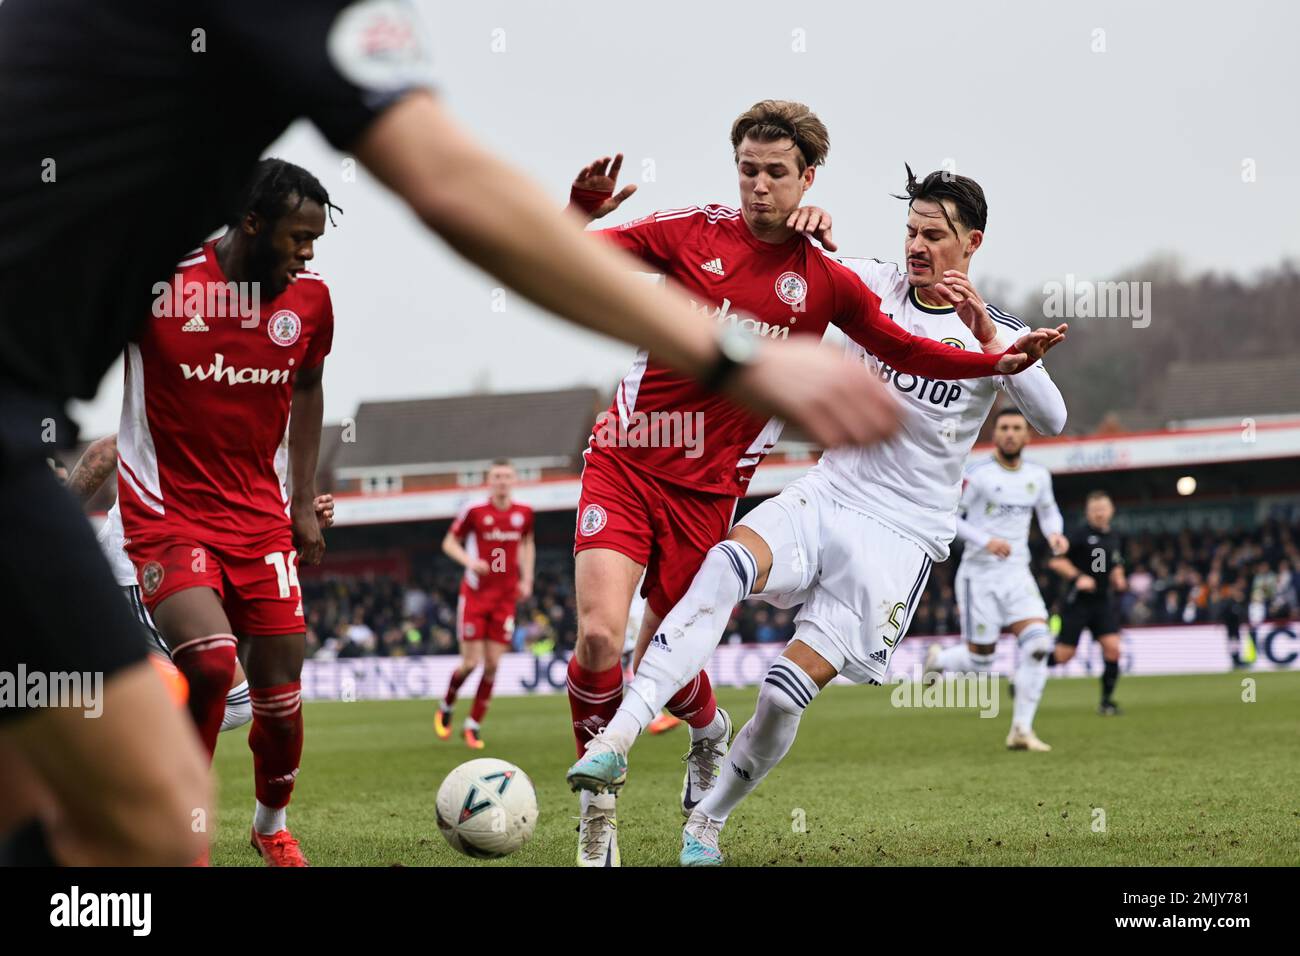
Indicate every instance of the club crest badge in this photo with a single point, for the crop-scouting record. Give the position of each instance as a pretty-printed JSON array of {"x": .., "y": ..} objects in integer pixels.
[
  {"x": 151, "y": 577},
  {"x": 791, "y": 288},
  {"x": 593, "y": 519},
  {"x": 284, "y": 327}
]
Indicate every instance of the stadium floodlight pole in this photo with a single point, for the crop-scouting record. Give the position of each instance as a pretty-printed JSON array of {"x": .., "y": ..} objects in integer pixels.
[{"x": 502, "y": 222}]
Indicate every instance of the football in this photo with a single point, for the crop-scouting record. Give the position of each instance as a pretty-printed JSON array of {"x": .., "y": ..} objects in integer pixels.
[{"x": 487, "y": 808}]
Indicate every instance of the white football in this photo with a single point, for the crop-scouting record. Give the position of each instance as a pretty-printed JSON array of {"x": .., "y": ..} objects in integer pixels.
[{"x": 487, "y": 808}]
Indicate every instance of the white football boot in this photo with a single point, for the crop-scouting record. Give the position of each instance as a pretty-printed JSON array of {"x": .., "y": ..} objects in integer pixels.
[
  {"x": 703, "y": 763},
  {"x": 598, "y": 831},
  {"x": 1022, "y": 739}
]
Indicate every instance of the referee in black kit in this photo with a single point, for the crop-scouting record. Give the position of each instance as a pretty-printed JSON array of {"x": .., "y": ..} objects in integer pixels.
[
  {"x": 128, "y": 129},
  {"x": 1093, "y": 568}
]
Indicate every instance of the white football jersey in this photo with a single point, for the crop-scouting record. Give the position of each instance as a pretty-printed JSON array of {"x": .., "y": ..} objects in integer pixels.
[
  {"x": 999, "y": 503},
  {"x": 111, "y": 542},
  {"x": 913, "y": 481}
]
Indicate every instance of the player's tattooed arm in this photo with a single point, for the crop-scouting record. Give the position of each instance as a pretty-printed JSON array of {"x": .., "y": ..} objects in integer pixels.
[
  {"x": 592, "y": 193},
  {"x": 95, "y": 465},
  {"x": 306, "y": 411}
]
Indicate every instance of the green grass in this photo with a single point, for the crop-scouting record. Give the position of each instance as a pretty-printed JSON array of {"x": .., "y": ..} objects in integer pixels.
[{"x": 1190, "y": 775}]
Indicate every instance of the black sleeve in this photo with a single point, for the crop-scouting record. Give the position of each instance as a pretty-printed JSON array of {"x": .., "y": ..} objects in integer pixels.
[{"x": 338, "y": 62}]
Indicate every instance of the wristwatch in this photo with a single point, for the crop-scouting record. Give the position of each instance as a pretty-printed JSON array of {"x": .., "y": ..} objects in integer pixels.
[{"x": 736, "y": 350}]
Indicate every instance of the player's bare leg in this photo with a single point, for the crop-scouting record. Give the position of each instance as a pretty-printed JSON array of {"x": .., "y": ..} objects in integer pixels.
[
  {"x": 129, "y": 788},
  {"x": 203, "y": 647},
  {"x": 471, "y": 656},
  {"x": 274, "y": 666},
  {"x": 1109, "y": 674},
  {"x": 1036, "y": 643},
  {"x": 604, "y": 582},
  {"x": 791, "y": 682},
  {"x": 492, "y": 651}
]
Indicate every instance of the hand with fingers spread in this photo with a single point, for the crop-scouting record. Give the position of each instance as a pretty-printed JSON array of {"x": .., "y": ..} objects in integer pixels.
[
  {"x": 593, "y": 187},
  {"x": 813, "y": 221},
  {"x": 1030, "y": 348}
]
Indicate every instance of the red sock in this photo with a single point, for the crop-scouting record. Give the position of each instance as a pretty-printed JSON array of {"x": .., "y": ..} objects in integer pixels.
[
  {"x": 594, "y": 697},
  {"x": 276, "y": 741},
  {"x": 695, "y": 702},
  {"x": 208, "y": 663},
  {"x": 481, "y": 698},
  {"x": 457, "y": 678}
]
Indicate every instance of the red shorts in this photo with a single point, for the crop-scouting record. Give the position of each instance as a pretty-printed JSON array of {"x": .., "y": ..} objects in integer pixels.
[
  {"x": 258, "y": 590},
  {"x": 485, "y": 617},
  {"x": 664, "y": 526}
]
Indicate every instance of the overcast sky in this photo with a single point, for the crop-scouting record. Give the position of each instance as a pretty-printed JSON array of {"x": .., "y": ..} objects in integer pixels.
[{"x": 1091, "y": 161}]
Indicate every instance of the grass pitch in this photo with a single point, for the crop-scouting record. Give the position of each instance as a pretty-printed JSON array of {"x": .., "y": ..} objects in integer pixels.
[{"x": 1190, "y": 775}]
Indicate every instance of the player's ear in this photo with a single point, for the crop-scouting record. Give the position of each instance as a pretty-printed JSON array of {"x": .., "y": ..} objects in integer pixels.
[
  {"x": 974, "y": 241},
  {"x": 251, "y": 225},
  {"x": 809, "y": 174}
]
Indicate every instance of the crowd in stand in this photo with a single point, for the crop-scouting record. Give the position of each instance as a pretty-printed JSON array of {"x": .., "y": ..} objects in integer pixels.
[{"x": 1191, "y": 577}]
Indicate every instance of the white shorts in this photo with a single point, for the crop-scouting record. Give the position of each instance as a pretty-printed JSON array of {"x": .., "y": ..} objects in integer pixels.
[
  {"x": 858, "y": 579},
  {"x": 990, "y": 600}
]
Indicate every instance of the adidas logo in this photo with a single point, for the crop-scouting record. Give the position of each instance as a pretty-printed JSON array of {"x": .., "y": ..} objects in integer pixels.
[
  {"x": 714, "y": 266},
  {"x": 880, "y": 656},
  {"x": 195, "y": 324},
  {"x": 660, "y": 642}
]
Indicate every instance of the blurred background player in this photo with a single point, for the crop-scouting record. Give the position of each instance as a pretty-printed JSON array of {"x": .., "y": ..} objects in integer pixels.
[
  {"x": 217, "y": 454},
  {"x": 493, "y": 540},
  {"x": 853, "y": 540},
  {"x": 995, "y": 587},
  {"x": 1094, "y": 569},
  {"x": 653, "y": 504}
]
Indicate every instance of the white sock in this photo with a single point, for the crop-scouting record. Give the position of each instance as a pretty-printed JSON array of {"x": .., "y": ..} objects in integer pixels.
[
  {"x": 955, "y": 659},
  {"x": 471, "y": 723},
  {"x": 686, "y": 638},
  {"x": 785, "y": 692},
  {"x": 1031, "y": 673},
  {"x": 713, "y": 728},
  {"x": 239, "y": 707},
  {"x": 267, "y": 821}
]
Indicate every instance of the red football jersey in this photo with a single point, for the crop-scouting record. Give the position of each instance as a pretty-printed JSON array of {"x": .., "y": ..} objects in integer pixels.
[
  {"x": 493, "y": 534},
  {"x": 770, "y": 290},
  {"x": 203, "y": 444}
]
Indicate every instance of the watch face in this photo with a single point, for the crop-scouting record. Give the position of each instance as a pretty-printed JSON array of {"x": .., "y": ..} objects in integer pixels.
[{"x": 740, "y": 347}]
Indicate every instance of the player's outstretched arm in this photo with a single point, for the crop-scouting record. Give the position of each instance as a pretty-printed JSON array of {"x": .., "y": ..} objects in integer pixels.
[
  {"x": 306, "y": 411},
  {"x": 500, "y": 221},
  {"x": 94, "y": 466},
  {"x": 592, "y": 194}
]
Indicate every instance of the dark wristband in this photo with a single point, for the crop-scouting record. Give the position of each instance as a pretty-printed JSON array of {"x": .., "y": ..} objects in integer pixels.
[{"x": 588, "y": 200}]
